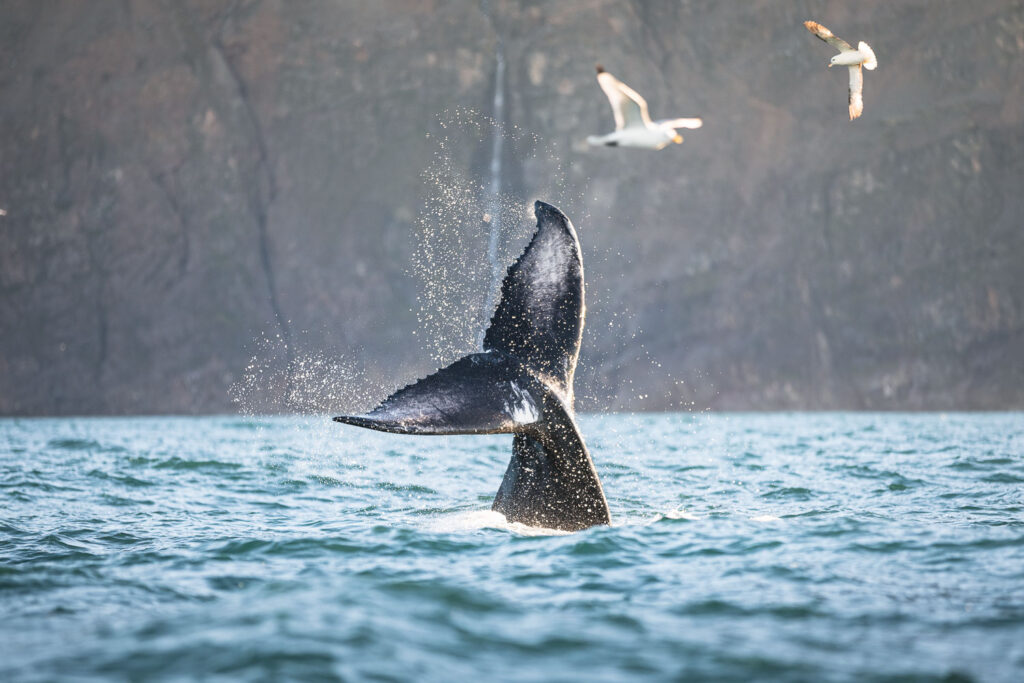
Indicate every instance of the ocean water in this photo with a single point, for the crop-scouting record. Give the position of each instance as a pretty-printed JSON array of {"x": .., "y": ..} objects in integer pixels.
[{"x": 804, "y": 547}]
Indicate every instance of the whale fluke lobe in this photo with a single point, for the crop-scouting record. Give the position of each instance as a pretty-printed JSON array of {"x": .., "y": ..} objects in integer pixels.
[
  {"x": 520, "y": 383},
  {"x": 540, "y": 317},
  {"x": 478, "y": 394}
]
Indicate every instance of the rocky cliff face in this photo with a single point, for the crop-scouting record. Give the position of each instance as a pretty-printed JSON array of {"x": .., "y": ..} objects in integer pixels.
[{"x": 181, "y": 179}]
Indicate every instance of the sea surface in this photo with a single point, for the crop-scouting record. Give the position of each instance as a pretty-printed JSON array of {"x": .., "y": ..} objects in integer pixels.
[{"x": 803, "y": 547}]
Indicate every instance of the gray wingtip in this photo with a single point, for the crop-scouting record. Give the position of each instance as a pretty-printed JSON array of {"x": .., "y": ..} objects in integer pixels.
[{"x": 600, "y": 69}]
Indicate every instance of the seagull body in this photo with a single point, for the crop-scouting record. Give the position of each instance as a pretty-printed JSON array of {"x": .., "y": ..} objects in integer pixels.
[
  {"x": 633, "y": 125},
  {"x": 862, "y": 56}
]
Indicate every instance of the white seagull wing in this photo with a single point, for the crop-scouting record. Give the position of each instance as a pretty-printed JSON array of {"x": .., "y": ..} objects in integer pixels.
[
  {"x": 629, "y": 108},
  {"x": 829, "y": 37},
  {"x": 681, "y": 123},
  {"x": 856, "y": 92}
]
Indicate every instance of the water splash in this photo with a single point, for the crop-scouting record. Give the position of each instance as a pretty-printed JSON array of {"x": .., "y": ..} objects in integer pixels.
[
  {"x": 477, "y": 520},
  {"x": 310, "y": 383},
  {"x": 468, "y": 231},
  {"x": 310, "y": 387}
]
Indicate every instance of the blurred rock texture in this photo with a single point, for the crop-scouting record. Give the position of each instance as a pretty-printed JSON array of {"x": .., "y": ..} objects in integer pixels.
[{"x": 181, "y": 178}]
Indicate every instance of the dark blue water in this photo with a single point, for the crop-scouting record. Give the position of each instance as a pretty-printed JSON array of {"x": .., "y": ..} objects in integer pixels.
[{"x": 789, "y": 547}]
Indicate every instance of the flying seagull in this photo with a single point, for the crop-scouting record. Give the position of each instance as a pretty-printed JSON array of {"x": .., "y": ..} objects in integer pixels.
[
  {"x": 633, "y": 125},
  {"x": 855, "y": 59}
]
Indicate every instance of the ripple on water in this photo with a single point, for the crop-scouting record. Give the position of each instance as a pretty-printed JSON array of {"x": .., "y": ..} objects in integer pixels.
[
  {"x": 1003, "y": 478},
  {"x": 406, "y": 488},
  {"x": 74, "y": 444},
  {"x": 123, "y": 479},
  {"x": 797, "y": 493},
  {"x": 176, "y": 463}
]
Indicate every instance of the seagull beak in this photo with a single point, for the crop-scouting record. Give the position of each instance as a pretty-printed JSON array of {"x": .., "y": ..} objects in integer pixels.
[
  {"x": 678, "y": 139},
  {"x": 830, "y": 65}
]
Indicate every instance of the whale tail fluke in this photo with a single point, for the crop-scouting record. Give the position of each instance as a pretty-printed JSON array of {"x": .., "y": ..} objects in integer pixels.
[{"x": 521, "y": 383}]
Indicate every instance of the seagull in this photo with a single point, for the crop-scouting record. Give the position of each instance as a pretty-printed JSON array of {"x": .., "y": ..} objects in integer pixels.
[
  {"x": 633, "y": 125},
  {"x": 855, "y": 59}
]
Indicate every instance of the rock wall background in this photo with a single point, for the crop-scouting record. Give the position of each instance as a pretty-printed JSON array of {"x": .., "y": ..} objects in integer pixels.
[{"x": 181, "y": 179}]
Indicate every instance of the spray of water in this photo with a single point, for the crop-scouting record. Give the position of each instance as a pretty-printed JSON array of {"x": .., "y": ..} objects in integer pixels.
[
  {"x": 468, "y": 233},
  {"x": 302, "y": 393},
  {"x": 308, "y": 384}
]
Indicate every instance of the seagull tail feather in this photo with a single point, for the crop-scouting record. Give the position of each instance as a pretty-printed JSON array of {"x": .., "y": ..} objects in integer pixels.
[{"x": 866, "y": 50}]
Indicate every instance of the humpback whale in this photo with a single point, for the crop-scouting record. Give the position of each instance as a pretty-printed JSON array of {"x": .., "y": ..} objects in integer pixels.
[{"x": 520, "y": 383}]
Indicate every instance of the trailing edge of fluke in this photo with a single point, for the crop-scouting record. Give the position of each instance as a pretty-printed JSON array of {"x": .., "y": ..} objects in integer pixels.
[{"x": 520, "y": 383}]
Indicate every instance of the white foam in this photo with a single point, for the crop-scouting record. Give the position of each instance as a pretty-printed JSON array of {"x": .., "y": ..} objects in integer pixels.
[
  {"x": 765, "y": 518},
  {"x": 486, "y": 519},
  {"x": 680, "y": 514},
  {"x": 624, "y": 521}
]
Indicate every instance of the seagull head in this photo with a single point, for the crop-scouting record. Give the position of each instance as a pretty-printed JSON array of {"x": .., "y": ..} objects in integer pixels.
[{"x": 832, "y": 62}]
